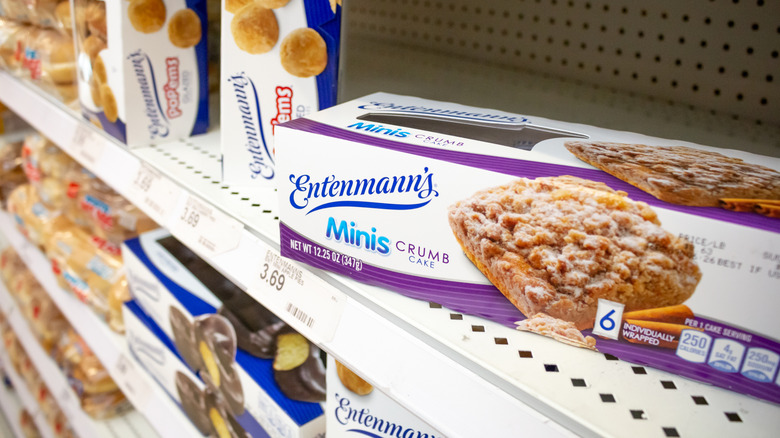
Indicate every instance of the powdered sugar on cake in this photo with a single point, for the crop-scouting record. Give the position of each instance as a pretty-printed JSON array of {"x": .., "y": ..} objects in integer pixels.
[{"x": 556, "y": 245}]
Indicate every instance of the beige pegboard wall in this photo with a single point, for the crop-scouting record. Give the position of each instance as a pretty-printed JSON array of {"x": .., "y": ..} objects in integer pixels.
[{"x": 720, "y": 56}]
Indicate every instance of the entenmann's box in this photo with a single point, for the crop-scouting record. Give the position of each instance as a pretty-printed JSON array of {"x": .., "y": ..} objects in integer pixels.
[
  {"x": 229, "y": 340},
  {"x": 142, "y": 68},
  {"x": 355, "y": 407},
  {"x": 279, "y": 61},
  {"x": 657, "y": 251}
]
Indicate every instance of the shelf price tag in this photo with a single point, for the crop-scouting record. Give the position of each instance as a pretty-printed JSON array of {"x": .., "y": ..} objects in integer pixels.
[
  {"x": 128, "y": 378},
  {"x": 87, "y": 146},
  {"x": 203, "y": 228},
  {"x": 153, "y": 192},
  {"x": 310, "y": 305}
]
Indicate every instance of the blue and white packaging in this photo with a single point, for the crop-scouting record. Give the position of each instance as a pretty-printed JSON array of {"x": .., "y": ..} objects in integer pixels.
[
  {"x": 143, "y": 68},
  {"x": 157, "y": 354},
  {"x": 243, "y": 386},
  {"x": 352, "y": 414},
  {"x": 371, "y": 189},
  {"x": 292, "y": 74}
]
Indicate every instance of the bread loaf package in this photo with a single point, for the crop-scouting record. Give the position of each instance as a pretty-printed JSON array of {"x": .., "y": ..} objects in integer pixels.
[
  {"x": 279, "y": 62},
  {"x": 143, "y": 68},
  {"x": 657, "y": 251}
]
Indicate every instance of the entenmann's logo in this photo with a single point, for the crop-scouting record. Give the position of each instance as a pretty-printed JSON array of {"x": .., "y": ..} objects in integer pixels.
[
  {"x": 305, "y": 192},
  {"x": 144, "y": 75},
  {"x": 370, "y": 425},
  {"x": 390, "y": 107},
  {"x": 261, "y": 163}
]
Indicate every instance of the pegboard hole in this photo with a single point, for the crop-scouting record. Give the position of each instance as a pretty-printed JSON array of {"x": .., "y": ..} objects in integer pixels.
[
  {"x": 456, "y": 316},
  {"x": 638, "y": 414},
  {"x": 525, "y": 354},
  {"x": 607, "y": 398},
  {"x": 639, "y": 370},
  {"x": 699, "y": 400},
  {"x": 578, "y": 383},
  {"x": 733, "y": 417},
  {"x": 671, "y": 432},
  {"x": 551, "y": 368},
  {"x": 668, "y": 384}
]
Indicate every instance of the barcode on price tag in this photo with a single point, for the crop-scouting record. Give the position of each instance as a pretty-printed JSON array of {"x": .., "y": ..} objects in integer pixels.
[
  {"x": 300, "y": 315},
  {"x": 87, "y": 146},
  {"x": 154, "y": 193},
  {"x": 202, "y": 227}
]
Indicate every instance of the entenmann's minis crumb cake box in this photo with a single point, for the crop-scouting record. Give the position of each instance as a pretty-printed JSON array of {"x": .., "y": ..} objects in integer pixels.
[
  {"x": 279, "y": 62},
  {"x": 656, "y": 251},
  {"x": 142, "y": 68}
]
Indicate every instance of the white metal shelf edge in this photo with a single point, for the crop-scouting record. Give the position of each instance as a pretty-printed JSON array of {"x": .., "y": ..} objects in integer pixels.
[{"x": 12, "y": 407}]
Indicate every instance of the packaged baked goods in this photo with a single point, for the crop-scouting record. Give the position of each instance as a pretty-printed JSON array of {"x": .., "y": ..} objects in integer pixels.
[
  {"x": 14, "y": 39},
  {"x": 11, "y": 171},
  {"x": 28, "y": 426},
  {"x": 87, "y": 266},
  {"x": 349, "y": 393},
  {"x": 99, "y": 395},
  {"x": 279, "y": 62},
  {"x": 47, "y": 167},
  {"x": 45, "y": 56},
  {"x": 252, "y": 366},
  {"x": 96, "y": 207},
  {"x": 617, "y": 242},
  {"x": 143, "y": 70},
  {"x": 32, "y": 217}
]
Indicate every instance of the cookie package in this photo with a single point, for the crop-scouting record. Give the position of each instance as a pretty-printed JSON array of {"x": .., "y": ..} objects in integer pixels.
[
  {"x": 279, "y": 61},
  {"x": 656, "y": 251},
  {"x": 143, "y": 68},
  {"x": 247, "y": 372}
]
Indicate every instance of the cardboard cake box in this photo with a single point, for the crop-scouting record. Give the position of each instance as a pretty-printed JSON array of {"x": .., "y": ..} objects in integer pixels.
[
  {"x": 142, "y": 68},
  {"x": 354, "y": 406},
  {"x": 279, "y": 61},
  {"x": 657, "y": 251},
  {"x": 264, "y": 379}
]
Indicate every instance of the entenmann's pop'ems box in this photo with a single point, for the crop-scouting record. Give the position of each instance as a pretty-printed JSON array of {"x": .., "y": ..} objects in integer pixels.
[
  {"x": 662, "y": 252},
  {"x": 276, "y": 65},
  {"x": 227, "y": 339},
  {"x": 142, "y": 68}
]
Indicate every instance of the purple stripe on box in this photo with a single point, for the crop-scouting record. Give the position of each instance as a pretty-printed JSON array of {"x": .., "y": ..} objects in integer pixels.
[
  {"x": 667, "y": 360},
  {"x": 475, "y": 299},
  {"x": 533, "y": 169}
]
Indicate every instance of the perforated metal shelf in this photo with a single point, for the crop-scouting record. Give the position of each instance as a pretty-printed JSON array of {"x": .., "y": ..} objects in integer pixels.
[{"x": 703, "y": 71}]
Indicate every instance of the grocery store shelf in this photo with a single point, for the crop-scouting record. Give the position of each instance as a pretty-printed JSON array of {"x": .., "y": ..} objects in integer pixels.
[
  {"x": 463, "y": 375},
  {"x": 129, "y": 425},
  {"x": 154, "y": 409},
  {"x": 25, "y": 399}
]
